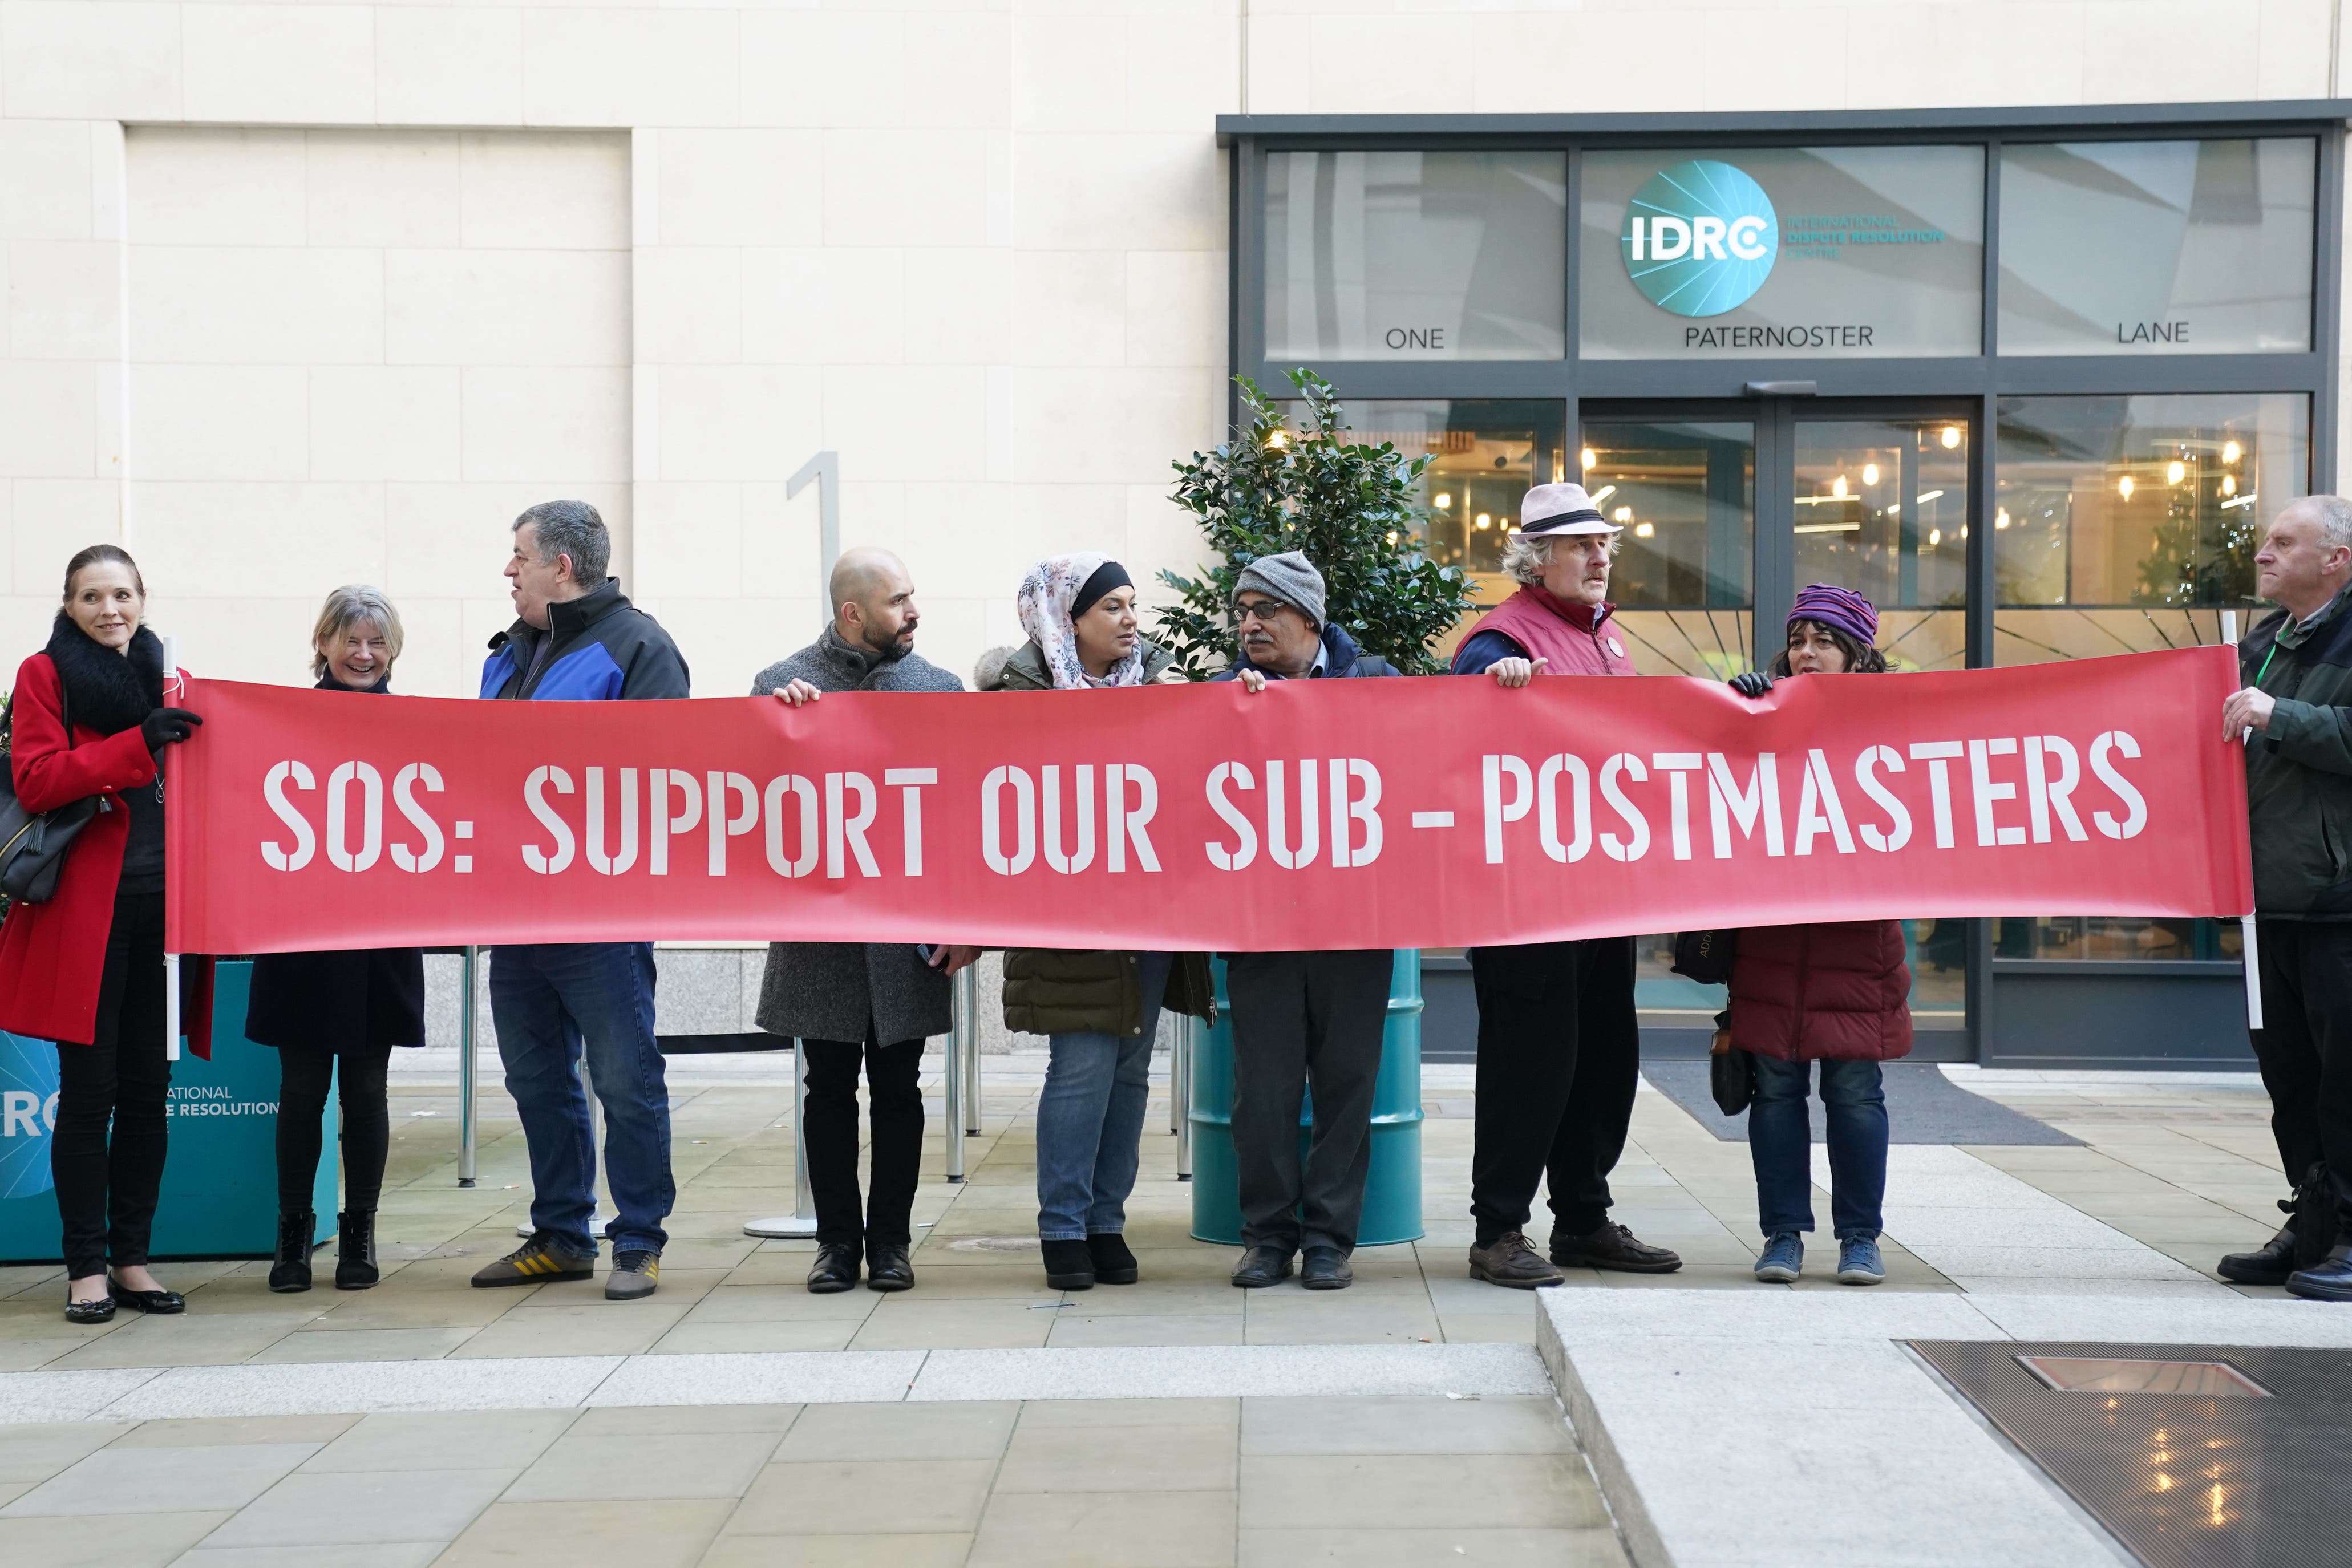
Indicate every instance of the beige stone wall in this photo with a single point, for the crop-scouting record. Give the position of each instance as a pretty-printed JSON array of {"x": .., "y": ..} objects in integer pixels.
[{"x": 976, "y": 247}]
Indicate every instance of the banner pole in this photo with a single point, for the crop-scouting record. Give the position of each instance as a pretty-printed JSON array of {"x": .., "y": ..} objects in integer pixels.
[
  {"x": 968, "y": 1007},
  {"x": 469, "y": 1072},
  {"x": 1179, "y": 1089},
  {"x": 2251, "y": 951},
  {"x": 802, "y": 1221},
  {"x": 171, "y": 959},
  {"x": 959, "y": 1041}
]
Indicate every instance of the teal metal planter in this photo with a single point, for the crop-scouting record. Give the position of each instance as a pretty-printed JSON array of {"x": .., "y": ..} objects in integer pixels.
[
  {"x": 220, "y": 1179},
  {"x": 1392, "y": 1190}
]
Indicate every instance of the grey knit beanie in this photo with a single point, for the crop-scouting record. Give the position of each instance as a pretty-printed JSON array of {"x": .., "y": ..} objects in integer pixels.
[{"x": 1289, "y": 577}]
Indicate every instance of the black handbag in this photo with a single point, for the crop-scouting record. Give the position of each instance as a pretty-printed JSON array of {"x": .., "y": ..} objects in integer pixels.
[
  {"x": 1730, "y": 1075},
  {"x": 33, "y": 844},
  {"x": 1705, "y": 956}
]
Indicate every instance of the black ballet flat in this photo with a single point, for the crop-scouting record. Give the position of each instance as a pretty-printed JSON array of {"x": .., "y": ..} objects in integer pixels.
[
  {"x": 101, "y": 1310},
  {"x": 162, "y": 1302}
]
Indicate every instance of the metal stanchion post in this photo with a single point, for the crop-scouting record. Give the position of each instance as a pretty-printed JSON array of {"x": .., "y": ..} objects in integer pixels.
[
  {"x": 802, "y": 1221},
  {"x": 1179, "y": 1089},
  {"x": 968, "y": 1016},
  {"x": 958, "y": 1043},
  {"x": 469, "y": 1072}
]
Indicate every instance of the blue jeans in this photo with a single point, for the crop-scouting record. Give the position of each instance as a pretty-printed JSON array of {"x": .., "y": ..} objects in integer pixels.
[
  {"x": 1780, "y": 1140},
  {"x": 548, "y": 1003},
  {"x": 1090, "y": 1120}
]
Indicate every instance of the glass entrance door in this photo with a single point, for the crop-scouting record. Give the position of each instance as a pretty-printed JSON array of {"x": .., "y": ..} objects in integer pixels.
[{"x": 1728, "y": 511}]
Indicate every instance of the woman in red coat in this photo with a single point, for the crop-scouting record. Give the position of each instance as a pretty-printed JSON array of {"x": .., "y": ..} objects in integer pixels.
[
  {"x": 86, "y": 969},
  {"x": 1835, "y": 992}
]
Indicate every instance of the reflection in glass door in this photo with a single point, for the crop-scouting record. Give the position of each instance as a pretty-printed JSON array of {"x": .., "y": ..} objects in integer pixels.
[
  {"x": 1685, "y": 493},
  {"x": 1881, "y": 506}
]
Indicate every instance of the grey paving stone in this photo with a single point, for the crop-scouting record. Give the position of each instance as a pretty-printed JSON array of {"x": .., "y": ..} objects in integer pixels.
[
  {"x": 365, "y": 1509},
  {"x": 668, "y": 1533},
  {"x": 398, "y": 1554},
  {"x": 888, "y": 1497},
  {"x": 1067, "y": 1530},
  {"x": 900, "y": 1431},
  {"x": 417, "y": 1440},
  {"x": 162, "y": 1481},
  {"x": 1118, "y": 1459},
  {"x": 644, "y": 1465},
  {"x": 1596, "y": 1547},
  {"x": 1374, "y": 1491},
  {"x": 1501, "y": 1424},
  {"x": 35, "y": 1453},
  {"x": 125, "y": 1540}
]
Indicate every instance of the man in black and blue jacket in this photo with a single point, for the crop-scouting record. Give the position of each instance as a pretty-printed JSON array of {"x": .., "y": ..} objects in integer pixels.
[
  {"x": 1306, "y": 1016},
  {"x": 578, "y": 640}
]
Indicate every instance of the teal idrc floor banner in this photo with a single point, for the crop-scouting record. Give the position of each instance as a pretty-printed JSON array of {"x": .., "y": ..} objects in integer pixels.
[{"x": 220, "y": 1183}]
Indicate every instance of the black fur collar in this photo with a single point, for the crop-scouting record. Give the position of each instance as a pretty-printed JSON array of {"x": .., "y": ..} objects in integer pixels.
[{"x": 105, "y": 691}]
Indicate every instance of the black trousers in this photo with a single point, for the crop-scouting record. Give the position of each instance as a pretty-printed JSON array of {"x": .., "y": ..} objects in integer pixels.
[
  {"x": 829, "y": 1123},
  {"x": 2305, "y": 1048},
  {"x": 107, "y": 1152},
  {"x": 1302, "y": 1019},
  {"x": 304, "y": 1077},
  {"x": 1559, "y": 1058}
]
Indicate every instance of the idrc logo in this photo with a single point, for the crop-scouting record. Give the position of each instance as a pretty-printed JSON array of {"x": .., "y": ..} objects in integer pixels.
[
  {"x": 1700, "y": 238},
  {"x": 28, "y": 1113}
]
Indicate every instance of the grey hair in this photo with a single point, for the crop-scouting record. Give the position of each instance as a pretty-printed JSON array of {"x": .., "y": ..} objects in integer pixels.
[
  {"x": 2335, "y": 516},
  {"x": 572, "y": 529},
  {"x": 345, "y": 608},
  {"x": 1525, "y": 556}
]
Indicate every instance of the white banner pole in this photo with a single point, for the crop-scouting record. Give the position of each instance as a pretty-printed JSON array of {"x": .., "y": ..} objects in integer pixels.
[
  {"x": 2246, "y": 939},
  {"x": 171, "y": 959}
]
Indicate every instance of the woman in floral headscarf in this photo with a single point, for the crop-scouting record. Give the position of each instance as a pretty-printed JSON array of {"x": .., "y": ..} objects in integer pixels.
[{"x": 1100, "y": 1009}]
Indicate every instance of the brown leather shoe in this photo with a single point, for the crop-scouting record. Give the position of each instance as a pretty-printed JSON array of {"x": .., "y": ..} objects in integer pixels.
[
  {"x": 1512, "y": 1259},
  {"x": 1612, "y": 1247}
]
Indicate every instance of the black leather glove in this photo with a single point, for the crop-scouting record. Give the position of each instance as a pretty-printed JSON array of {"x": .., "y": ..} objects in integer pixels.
[
  {"x": 167, "y": 726},
  {"x": 1752, "y": 685}
]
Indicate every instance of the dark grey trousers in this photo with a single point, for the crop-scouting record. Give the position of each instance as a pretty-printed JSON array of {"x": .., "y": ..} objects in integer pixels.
[{"x": 1302, "y": 1019}]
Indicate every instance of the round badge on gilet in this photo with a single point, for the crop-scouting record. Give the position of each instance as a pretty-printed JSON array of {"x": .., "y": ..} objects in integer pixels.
[{"x": 1700, "y": 238}]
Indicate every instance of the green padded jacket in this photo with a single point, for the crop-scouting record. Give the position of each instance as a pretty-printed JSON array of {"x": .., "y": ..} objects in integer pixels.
[{"x": 2299, "y": 771}]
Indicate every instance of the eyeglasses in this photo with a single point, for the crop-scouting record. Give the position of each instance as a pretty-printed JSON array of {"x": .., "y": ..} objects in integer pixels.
[{"x": 1262, "y": 611}]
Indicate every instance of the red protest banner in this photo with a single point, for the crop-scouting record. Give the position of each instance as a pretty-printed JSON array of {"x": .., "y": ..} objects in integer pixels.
[{"x": 1377, "y": 813}]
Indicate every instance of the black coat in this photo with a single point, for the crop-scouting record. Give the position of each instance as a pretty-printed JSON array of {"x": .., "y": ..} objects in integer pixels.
[{"x": 340, "y": 1001}]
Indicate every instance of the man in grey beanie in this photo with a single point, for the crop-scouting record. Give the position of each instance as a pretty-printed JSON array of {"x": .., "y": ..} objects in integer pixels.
[{"x": 1304, "y": 1016}]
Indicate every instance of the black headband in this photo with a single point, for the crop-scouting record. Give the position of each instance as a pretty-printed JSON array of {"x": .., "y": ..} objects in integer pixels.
[{"x": 1108, "y": 576}]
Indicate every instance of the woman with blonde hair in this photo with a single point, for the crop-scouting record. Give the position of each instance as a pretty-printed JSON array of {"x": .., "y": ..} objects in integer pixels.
[{"x": 334, "y": 1017}]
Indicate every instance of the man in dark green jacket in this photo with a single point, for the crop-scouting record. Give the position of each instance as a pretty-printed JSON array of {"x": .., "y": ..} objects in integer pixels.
[{"x": 2295, "y": 712}]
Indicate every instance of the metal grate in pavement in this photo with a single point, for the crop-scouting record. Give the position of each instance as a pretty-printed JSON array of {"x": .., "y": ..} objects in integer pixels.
[{"x": 2191, "y": 1456}]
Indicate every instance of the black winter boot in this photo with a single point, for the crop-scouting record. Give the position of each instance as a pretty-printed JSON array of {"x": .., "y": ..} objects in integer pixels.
[
  {"x": 355, "y": 1250},
  {"x": 1069, "y": 1265},
  {"x": 290, "y": 1270}
]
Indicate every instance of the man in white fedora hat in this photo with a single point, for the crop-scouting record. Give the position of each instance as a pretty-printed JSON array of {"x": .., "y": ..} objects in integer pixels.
[{"x": 1558, "y": 1043}]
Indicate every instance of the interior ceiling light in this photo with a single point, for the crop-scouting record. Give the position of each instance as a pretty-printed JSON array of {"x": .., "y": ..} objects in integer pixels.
[
  {"x": 1870, "y": 473},
  {"x": 1485, "y": 521},
  {"x": 1602, "y": 493},
  {"x": 2000, "y": 520},
  {"x": 2124, "y": 486},
  {"x": 1644, "y": 530},
  {"x": 1443, "y": 500},
  {"x": 1589, "y": 458},
  {"x": 1927, "y": 496},
  {"x": 1623, "y": 515},
  {"x": 1837, "y": 486},
  {"x": 2175, "y": 472},
  {"x": 1951, "y": 435},
  {"x": 2229, "y": 484},
  {"x": 1934, "y": 537},
  {"x": 2231, "y": 452}
]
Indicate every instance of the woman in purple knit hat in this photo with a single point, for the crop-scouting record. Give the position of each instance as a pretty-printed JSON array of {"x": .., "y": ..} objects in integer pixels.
[{"x": 1833, "y": 992}]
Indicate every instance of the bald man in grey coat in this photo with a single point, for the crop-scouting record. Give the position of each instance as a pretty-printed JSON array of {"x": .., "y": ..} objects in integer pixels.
[{"x": 847, "y": 1002}]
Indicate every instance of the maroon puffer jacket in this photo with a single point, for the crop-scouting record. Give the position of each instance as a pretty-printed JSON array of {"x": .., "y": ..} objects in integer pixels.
[{"x": 1805, "y": 992}]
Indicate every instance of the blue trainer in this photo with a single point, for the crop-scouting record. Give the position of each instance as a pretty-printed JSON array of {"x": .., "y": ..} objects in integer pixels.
[
  {"x": 1858, "y": 1262},
  {"x": 1783, "y": 1258}
]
